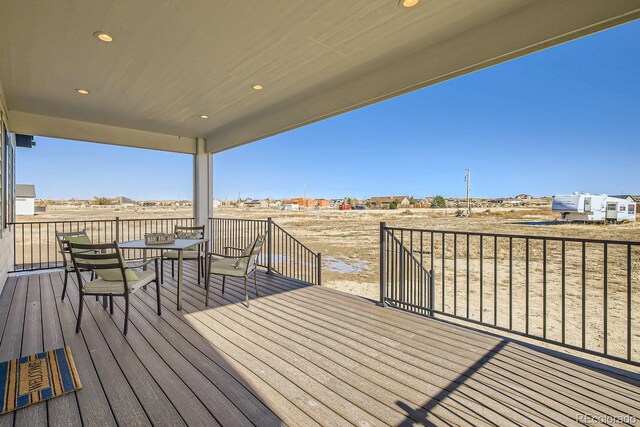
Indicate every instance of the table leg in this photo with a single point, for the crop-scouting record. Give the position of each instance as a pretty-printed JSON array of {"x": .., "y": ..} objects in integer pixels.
[
  {"x": 179, "y": 280},
  {"x": 144, "y": 259},
  {"x": 144, "y": 267}
]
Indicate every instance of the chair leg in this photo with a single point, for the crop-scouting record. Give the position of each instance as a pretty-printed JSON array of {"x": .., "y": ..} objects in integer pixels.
[
  {"x": 207, "y": 285},
  {"x": 255, "y": 281},
  {"x": 80, "y": 306},
  {"x": 66, "y": 279},
  {"x": 126, "y": 314},
  {"x": 172, "y": 269},
  {"x": 158, "y": 297},
  {"x": 111, "y": 304},
  {"x": 223, "y": 280},
  {"x": 199, "y": 270},
  {"x": 246, "y": 292},
  {"x": 161, "y": 270}
]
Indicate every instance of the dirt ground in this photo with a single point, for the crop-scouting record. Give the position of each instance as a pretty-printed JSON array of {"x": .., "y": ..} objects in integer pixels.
[{"x": 349, "y": 243}]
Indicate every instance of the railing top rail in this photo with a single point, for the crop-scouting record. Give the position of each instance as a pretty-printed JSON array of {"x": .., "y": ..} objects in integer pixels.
[
  {"x": 517, "y": 236},
  {"x": 70, "y": 221},
  {"x": 240, "y": 219}
]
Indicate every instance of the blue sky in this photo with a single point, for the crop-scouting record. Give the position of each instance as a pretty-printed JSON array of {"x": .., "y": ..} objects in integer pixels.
[{"x": 561, "y": 120}]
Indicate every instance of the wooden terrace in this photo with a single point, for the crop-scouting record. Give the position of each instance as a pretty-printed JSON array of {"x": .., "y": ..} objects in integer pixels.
[{"x": 301, "y": 355}]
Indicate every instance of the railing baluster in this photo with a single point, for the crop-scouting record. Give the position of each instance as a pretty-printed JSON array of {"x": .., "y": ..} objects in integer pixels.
[
  {"x": 629, "y": 302},
  {"x": 605, "y": 292},
  {"x": 481, "y": 276}
]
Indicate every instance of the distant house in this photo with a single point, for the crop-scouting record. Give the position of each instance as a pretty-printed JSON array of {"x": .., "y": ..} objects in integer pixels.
[
  {"x": 321, "y": 203},
  {"x": 25, "y": 199},
  {"x": 524, "y": 197},
  {"x": 216, "y": 203},
  {"x": 290, "y": 207},
  {"x": 184, "y": 203},
  {"x": 304, "y": 202},
  {"x": 385, "y": 201}
]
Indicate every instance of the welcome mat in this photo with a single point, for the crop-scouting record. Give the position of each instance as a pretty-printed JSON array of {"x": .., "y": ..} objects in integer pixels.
[{"x": 35, "y": 378}]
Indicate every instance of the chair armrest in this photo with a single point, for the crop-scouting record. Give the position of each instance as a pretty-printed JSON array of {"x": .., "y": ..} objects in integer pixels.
[
  {"x": 226, "y": 249},
  {"x": 211, "y": 255},
  {"x": 143, "y": 263}
]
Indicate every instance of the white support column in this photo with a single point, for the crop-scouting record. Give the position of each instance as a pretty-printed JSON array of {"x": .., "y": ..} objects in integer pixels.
[{"x": 202, "y": 185}]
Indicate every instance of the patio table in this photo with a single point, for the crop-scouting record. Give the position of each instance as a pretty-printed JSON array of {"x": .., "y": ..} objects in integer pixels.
[{"x": 179, "y": 245}]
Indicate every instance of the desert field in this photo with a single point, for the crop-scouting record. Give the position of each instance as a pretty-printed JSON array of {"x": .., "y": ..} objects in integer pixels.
[{"x": 349, "y": 243}]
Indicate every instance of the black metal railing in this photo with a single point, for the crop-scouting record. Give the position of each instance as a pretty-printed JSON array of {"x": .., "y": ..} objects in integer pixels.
[
  {"x": 283, "y": 253},
  {"x": 405, "y": 282},
  {"x": 35, "y": 246},
  {"x": 577, "y": 293}
]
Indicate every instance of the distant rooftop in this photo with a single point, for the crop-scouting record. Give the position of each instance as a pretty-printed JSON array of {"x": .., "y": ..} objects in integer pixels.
[{"x": 26, "y": 190}]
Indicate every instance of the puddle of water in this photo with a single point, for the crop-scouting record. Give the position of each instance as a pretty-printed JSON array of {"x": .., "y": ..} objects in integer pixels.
[{"x": 335, "y": 264}]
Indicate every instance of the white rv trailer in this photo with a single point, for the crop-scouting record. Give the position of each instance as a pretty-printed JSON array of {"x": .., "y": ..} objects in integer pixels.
[{"x": 585, "y": 207}]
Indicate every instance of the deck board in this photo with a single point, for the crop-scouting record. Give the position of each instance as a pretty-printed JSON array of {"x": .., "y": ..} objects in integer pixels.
[{"x": 301, "y": 355}]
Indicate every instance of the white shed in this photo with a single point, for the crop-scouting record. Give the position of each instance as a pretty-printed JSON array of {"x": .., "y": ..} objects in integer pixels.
[{"x": 25, "y": 199}]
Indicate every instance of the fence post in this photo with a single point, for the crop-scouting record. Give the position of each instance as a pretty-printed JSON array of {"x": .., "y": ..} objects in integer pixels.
[
  {"x": 383, "y": 266},
  {"x": 269, "y": 244},
  {"x": 432, "y": 292},
  {"x": 319, "y": 269},
  {"x": 117, "y": 229}
]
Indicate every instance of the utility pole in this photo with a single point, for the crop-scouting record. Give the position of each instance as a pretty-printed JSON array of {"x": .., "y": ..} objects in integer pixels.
[{"x": 467, "y": 179}]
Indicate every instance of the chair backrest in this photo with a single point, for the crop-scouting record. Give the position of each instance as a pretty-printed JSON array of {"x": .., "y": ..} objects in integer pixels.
[
  {"x": 184, "y": 232},
  {"x": 250, "y": 254},
  {"x": 63, "y": 243},
  {"x": 103, "y": 258}
]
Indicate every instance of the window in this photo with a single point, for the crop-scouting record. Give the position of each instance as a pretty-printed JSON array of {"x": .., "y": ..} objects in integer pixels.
[
  {"x": 3, "y": 196},
  {"x": 7, "y": 176}
]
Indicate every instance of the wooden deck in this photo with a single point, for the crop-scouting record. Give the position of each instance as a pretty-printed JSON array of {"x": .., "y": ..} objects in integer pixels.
[{"x": 301, "y": 355}]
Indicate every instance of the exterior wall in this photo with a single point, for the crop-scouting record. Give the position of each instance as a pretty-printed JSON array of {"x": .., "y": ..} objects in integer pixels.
[
  {"x": 6, "y": 234},
  {"x": 25, "y": 206},
  {"x": 6, "y": 254}
]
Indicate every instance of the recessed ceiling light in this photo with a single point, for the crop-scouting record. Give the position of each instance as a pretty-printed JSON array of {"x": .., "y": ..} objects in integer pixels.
[
  {"x": 102, "y": 36},
  {"x": 204, "y": 116},
  {"x": 256, "y": 87},
  {"x": 82, "y": 91},
  {"x": 408, "y": 3}
]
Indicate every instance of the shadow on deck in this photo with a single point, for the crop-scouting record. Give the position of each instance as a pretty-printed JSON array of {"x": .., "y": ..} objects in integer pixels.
[{"x": 301, "y": 355}]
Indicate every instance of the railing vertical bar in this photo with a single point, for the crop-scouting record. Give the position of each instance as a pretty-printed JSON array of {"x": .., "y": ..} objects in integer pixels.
[
  {"x": 584, "y": 296},
  {"x": 40, "y": 246},
  {"x": 455, "y": 274},
  {"x": 605, "y": 286},
  {"x": 443, "y": 271},
  {"x": 510, "y": 282},
  {"x": 526, "y": 292},
  {"x": 629, "y": 303},
  {"x": 468, "y": 275},
  {"x": 31, "y": 246},
  {"x": 544, "y": 288},
  {"x": 563, "y": 278},
  {"x": 481, "y": 277},
  {"x": 495, "y": 280},
  {"x": 48, "y": 247}
]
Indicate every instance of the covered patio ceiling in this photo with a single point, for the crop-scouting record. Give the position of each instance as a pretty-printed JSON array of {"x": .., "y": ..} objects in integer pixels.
[{"x": 172, "y": 61}]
